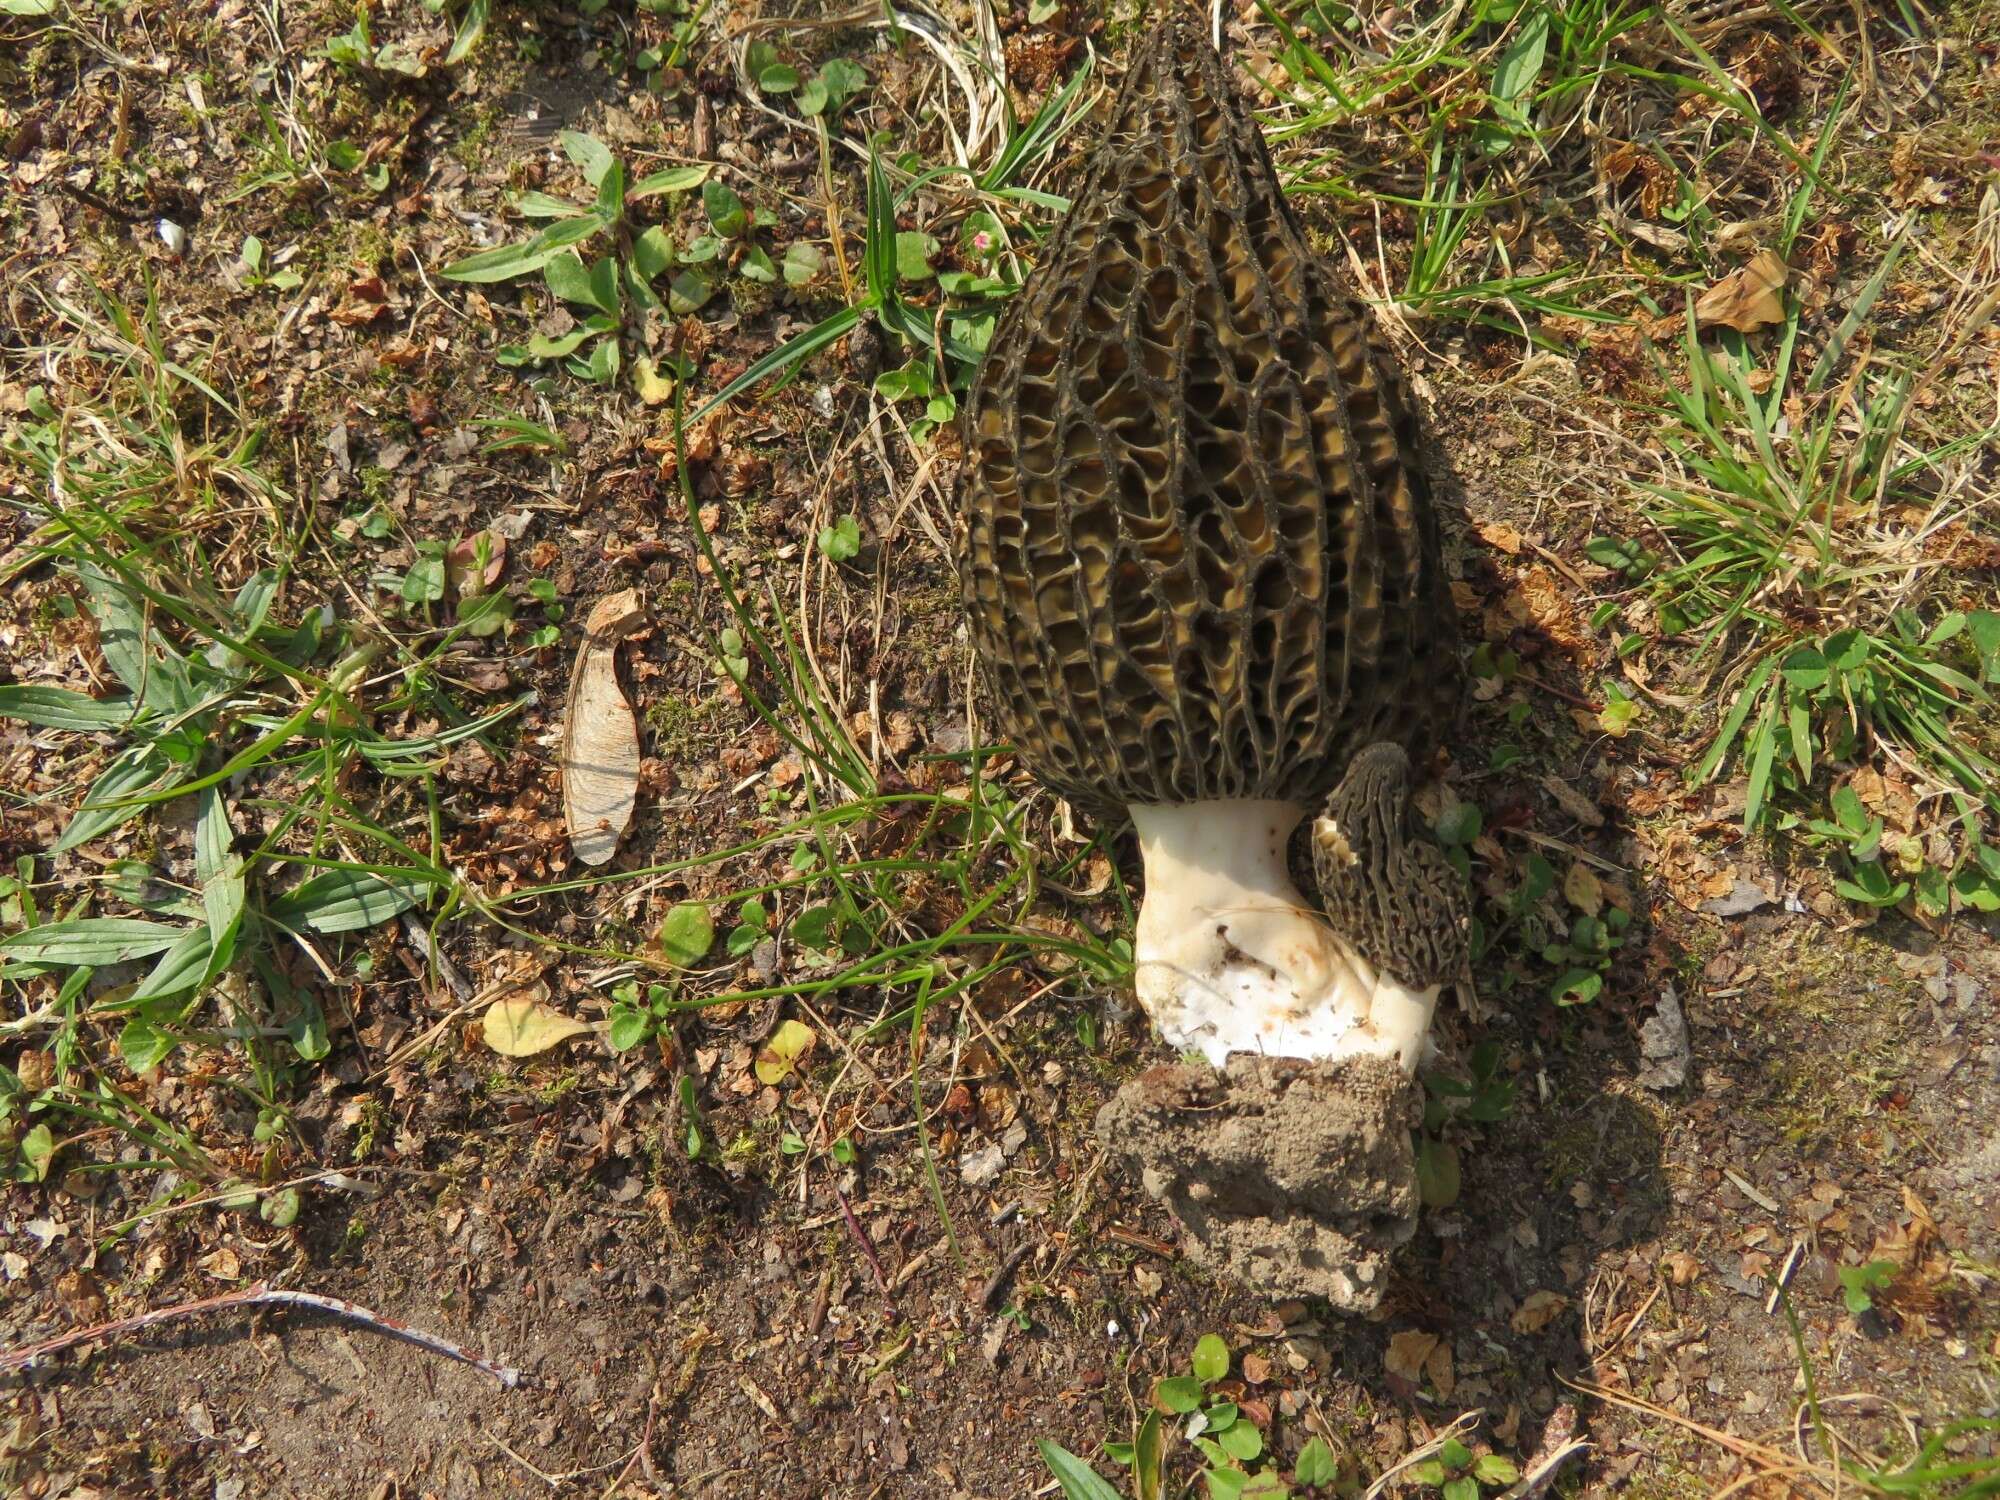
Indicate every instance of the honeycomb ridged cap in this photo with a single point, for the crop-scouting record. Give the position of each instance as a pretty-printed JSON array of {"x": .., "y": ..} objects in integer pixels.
[{"x": 1197, "y": 555}]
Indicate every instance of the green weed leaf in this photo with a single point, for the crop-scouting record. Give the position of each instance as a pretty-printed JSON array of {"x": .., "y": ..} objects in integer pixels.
[
  {"x": 1316, "y": 1464},
  {"x": 38, "y": 1153},
  {"x": 1858, "y": 1283},
  {"x": 1078, "y": 1480},
  {"x": 1521, "y": 64},
  {"x": 1982, "y": 628},
  {"x": 652, "y": 252},
  {"x": 1494, "y": 1469},
  {"x": 1241, "y": 1441},
  {"x": 92, "y": 942},
  {"x": 1577, "y": 987},
  {"x": 1437, "y": 1173},
  {"x": 182, "y": 968},
  {"x": 671, "y": 180},
  {"x": 60, "y": 708},
  {"x": 471, "y": 27},
  {"x": 344, "y": 901},
  {"x": 724, "y": 209},
  {"x": 913, "y": 255},
  {"x": 687, "y": 934},
  {"x": 530, "y": 255},
  {"x": 1459, "y": 824},
  {"x": 1211, "y": 1359},
  {"x": 540, "y": 346},
  {"x": 629, "y": 1027},
  {"x": 1806, "y": 668},
  {"x": 687, "y": 292},
  {"x": 842, "y": 540},
  {"x": 144, "y": 1046},
  {"x": 803, "y": 263},
  {"x": 842, "y": 78},
  {"x": 591, "y": 155}
]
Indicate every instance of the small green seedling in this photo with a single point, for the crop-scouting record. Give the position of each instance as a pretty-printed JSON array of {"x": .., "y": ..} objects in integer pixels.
[
  {"x": 691, "y": 1114},
  {"x": 1859, "y": 1284},
  {"x": 753, "y": 925},
  {"x": 636, "y": 1017},
  {"x": 842, "y": 540},
  {"x": 913, "y": 383},
  {"x": 257, "y": 270},
  {"x": 1229, "y": 1441},
  {"x": 345, "y": 156},
  {"x": 1585, "y": 956},
  {"x": 356, "y": 48},
  {"x": 1460, "y": 1474},
  {"x": 1456, "y": 828},
  {"x": 613, "y": 288},
  {"x": 1481, "y": 1100},
  {"x": 826, "y": 93},
  {"x": 543, "y": 592},
  {"x": 687, "y": 934}
]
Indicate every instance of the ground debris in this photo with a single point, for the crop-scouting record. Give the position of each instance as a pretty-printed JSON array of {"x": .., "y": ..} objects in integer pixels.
[{"x": 1663, "y": 1043}]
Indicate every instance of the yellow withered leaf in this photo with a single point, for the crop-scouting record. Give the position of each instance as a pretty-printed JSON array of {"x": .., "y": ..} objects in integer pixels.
[
  {"x": 522, "y": 1023},
  {"x": 781, "y": 1054}
]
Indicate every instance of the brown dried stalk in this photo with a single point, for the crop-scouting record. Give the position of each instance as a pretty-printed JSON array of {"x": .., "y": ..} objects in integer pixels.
[{"x": 260, "y": 1294}]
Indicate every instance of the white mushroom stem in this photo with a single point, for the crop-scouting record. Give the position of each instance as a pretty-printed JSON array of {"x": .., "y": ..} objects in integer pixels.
[{"x": 1231, "y": 958}]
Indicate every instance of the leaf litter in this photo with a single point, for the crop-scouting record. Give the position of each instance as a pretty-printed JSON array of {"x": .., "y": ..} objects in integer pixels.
[{"x": 600, "y": 740}]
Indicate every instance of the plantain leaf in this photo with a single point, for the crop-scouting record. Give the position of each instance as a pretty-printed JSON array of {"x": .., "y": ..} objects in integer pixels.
[
  {"x": 95, "y": 941},
  {"x": 344, "y": 901},
  {"x": 60, "y": 708}
]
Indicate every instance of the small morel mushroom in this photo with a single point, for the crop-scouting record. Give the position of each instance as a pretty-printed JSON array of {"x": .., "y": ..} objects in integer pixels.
[{"x": 1201, "y": 572}]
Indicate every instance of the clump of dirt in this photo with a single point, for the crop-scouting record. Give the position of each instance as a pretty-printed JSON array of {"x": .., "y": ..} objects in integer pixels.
[{"x": 1297, "y": 1178}]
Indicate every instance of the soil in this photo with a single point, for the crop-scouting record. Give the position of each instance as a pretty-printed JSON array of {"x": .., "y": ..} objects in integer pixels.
[
  {"x": 1292, "y": 1179},
  {"x": 777, "y": 1322}
]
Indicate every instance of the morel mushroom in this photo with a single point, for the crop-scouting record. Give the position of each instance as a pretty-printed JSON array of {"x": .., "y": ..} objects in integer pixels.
[{"x": 1201, "y": 572}]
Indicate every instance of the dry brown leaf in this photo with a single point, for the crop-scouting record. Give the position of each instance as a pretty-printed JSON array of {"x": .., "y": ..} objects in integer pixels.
[
  {"x": 522, "y": 1023},
  {"x": 223, "y": 1265},
  {"x": 1583, "y": 890},
  {"x": 1748, "y": 298},
  {"x": 1544, "y": 602},
  {"x": 1574, "y": 802},
  {"x": 1499, "y": 535},
  {"x": 1407, "y": 1352},
  {"x": 1923, "y": 1224},
  {"x": 1681, "y": 1267},
  {"x": 1537, "y": 1311},
  {"x": 600, "y": 751},
  {"x": 1441, "y": 1371}
]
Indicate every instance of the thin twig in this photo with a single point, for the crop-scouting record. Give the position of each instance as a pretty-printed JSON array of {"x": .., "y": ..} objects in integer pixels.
[
  {"x": 261, "y": 1294},
  {"x": 997, "y": 1282},
  {"x": 867, "y": 1248},
  {"x": 1558, "y": 1446}
]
